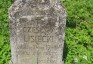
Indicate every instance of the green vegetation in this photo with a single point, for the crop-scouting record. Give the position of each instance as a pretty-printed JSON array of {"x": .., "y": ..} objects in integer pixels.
[
  {"x": 79, "y": 32},
  {"x": 4, "y": 32}
]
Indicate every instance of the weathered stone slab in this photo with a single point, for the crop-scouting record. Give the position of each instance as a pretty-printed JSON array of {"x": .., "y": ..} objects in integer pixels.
[{"x": 37, "y": 30}]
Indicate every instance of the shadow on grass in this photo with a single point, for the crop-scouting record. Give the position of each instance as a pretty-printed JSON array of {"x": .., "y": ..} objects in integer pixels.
[
  {"x": 71, "y": 22},
  {"x": 65, "y": 52}
]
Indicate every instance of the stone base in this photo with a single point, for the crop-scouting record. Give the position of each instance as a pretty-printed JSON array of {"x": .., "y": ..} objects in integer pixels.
[
  {"x": 62, "y": 62},
  {"x": 10, "y": 62}
]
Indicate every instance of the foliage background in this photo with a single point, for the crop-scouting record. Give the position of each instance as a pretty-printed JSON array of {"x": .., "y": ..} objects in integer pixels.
[{"x": 79, "y": 32}]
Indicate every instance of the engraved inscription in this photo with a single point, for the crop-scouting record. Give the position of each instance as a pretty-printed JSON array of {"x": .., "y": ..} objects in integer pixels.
[
  {"x": 33, "y": 33},
  {"x": 28, "y": 38}
]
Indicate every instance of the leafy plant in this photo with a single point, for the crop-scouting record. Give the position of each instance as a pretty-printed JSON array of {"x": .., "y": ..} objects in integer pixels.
[{"x": 79, "y": 32}]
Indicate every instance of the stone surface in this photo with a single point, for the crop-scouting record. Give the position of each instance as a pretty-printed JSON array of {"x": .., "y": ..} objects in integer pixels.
[{"x": 37, "y": 30}]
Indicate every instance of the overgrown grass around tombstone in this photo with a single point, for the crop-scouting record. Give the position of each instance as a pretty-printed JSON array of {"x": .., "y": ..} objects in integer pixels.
[
  {"x": 4, "y": 32},
  {"x": 79, "y": 32}
]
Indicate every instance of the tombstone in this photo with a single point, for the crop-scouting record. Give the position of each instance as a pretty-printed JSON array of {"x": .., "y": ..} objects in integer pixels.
[{"x": 37, "y": 30}]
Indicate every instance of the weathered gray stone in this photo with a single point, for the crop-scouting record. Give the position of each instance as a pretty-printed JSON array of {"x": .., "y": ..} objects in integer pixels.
[{"x": 37, "y": 30}]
